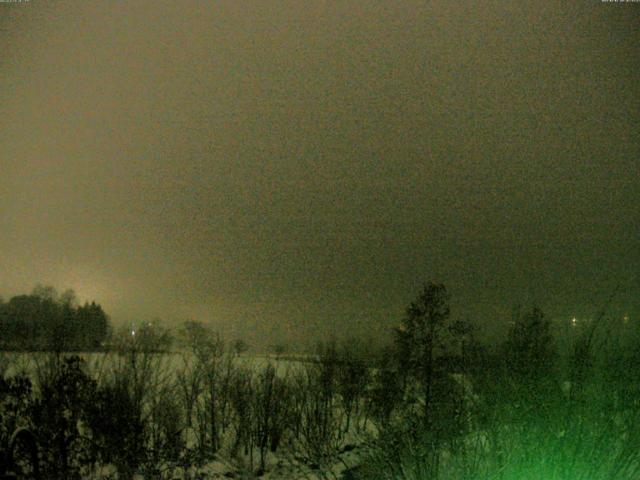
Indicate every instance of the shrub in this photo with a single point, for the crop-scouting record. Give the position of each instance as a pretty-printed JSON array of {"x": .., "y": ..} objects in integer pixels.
[
  {"x": 115, "y": 418},
  {"x": 65, "y": 391},
  {"x": 15, "y": 399}
]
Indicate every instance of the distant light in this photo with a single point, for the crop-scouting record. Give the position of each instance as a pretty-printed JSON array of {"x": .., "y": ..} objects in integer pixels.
[{"x": 574, "y": 321}]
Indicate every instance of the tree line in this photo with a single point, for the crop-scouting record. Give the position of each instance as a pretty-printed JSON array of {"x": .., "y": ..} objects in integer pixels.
[
  {"x": 436, "y": 403},
  {"x": 46, "y": 320}
]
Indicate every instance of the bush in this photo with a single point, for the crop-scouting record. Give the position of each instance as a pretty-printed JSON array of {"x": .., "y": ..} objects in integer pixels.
[
  {"x": 57, "y": 414},
  {"x": 115, "y": 418},
  {"x": 524, "y": 426},
  {"x": 15, "y": 400},
  {"x": 165, "y": 433}
]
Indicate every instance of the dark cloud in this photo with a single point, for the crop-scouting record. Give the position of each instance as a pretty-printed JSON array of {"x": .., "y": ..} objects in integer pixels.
[{"x": 291, "y": 168}]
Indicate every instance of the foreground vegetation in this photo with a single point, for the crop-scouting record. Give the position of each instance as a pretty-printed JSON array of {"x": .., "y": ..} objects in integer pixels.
[
  {"x": 435, "y": 405},
  {"x": 534, "y": 414}
]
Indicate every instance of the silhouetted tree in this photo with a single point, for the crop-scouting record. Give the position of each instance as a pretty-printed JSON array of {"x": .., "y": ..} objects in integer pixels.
[
  {"x": 45, "y": 292},
  {"x": 530, "y": 348},
  {"x": 69, "y": 297},
  {"x": 422, "y": 335},
  {"x": 429, "y": 346},
  {"x": 193, "y": 334},
  {"x": 279, "y": 349},
  {"x": 65, "y": 392},
  {"x": 116, "y": 420},
  {"x": 92, "y": 325},
  {"x": 239, "y": 347},
  {"x": 46, "y": 320},
  {"x": 16, "y": 394},
  {"x": 152, "y": 337}
]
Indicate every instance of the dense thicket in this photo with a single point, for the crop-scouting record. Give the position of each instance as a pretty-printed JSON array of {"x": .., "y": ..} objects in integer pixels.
[{"x": 45, "y": 320}]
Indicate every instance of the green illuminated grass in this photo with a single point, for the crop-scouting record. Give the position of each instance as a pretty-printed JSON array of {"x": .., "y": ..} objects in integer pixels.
[{"x": 522, "y": 431}]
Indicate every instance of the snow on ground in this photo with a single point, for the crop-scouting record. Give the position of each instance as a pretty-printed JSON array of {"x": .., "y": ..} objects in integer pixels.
[{"x": 282, "y": 465}]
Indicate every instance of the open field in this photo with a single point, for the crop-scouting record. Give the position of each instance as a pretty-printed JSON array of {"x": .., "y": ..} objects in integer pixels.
[
  {"x": 255, "y": 416},
  {"x": 203, "y": 416}
]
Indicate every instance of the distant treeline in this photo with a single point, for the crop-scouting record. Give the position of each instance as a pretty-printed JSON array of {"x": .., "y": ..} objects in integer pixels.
[{"x": 45, "y": 320}]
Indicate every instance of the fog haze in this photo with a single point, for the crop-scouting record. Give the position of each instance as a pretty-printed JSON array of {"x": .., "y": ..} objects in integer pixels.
[{"x": 297, "y": 169}]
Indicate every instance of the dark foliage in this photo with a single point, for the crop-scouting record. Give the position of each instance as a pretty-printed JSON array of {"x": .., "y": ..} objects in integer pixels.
[
  {"x": 46, "y": 321},
  {"x": 425, "y": 342},
  {"x": 115, "y": 419},
  {"x": 57, "y": 414},
  {"x": 15, "y": 397}
]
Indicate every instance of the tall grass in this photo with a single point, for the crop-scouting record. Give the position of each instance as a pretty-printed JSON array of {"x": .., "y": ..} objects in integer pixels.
[{"x": 578, "y": 421}]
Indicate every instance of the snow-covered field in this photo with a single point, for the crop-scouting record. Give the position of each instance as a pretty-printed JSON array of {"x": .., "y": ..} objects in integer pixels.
[
  {"x": 289, "y": 418},
  {"x": 295, "y": 457}
]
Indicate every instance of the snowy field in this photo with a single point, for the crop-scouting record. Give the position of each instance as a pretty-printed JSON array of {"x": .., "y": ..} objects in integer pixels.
[
  {"x": 244, "y": 416},
  {"x": 318, "y": 437}
]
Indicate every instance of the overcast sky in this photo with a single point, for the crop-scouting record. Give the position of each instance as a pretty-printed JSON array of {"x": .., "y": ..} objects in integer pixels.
[{"x": 293, "y": 169}]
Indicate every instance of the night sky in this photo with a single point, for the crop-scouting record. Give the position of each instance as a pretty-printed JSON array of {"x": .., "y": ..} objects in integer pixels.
[{"x": 297, "y": 169}]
